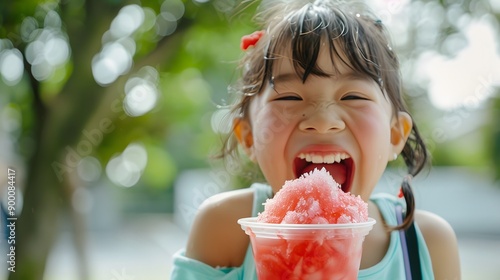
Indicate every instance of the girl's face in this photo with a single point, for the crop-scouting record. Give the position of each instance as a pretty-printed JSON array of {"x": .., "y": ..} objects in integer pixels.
[{"x": 342, "y": 123}]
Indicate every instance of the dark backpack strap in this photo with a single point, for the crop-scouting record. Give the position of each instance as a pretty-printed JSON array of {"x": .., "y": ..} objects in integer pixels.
[
  {"x": 412, "y": 243},
  {"x": 409, "y": 244}
]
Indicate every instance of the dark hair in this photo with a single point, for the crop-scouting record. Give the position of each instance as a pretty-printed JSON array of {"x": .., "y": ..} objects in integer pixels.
[{"x": 353, "y": 35}]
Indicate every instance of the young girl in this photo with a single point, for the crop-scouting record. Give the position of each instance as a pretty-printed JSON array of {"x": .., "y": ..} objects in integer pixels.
[{"x": 321, "y": 88}]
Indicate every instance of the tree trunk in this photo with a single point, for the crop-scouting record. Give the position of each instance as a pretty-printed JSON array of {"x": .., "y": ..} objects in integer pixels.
[
  {"x": 38, "y": 223},
  {"x": 59, "y": 145}
]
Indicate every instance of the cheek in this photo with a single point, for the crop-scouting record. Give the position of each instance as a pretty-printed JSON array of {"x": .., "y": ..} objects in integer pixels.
[
  {"x": 270, "y": 124},
  {"x": 373, "y": 133},
  {"x": 271, "y": 128}
]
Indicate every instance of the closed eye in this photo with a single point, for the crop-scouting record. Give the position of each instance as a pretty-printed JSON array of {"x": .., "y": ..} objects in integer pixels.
[
  {"x": 354, "y": 97},
  {"x": 289, "y": 98},
  {"x": 286, "y": 96}
]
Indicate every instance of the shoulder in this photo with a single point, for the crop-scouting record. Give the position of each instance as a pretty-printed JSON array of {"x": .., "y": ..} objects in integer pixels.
[
  {"x": 216, "y": 238},
  {"x": 442, "y": 244}
]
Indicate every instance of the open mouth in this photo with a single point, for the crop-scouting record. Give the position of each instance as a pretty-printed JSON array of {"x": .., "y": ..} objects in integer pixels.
[{"x": 339, "y": 165}]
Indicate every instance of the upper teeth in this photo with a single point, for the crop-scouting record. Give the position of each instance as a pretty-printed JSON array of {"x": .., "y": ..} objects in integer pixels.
[{"x": 330, "y": 158}]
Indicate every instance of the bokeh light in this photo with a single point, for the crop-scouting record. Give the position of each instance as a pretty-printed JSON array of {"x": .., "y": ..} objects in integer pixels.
[
  {"x": 11, "y": 66},
  {"x": 28, "y": 30},
  {"x": 56, "y": 51},
  {"x": 47, "y": 47},
  {"x": 128, "y": 20},
  {"x": 114, "y": 60},
  {"x": 174, "y": 7},
  {"x": 126, "y": 168},
  {"x": 149, "y": 19},
  {"x": 89, "y": 169},
  {"x": 141, "y": 92},
  {"x": 166, "y": 24},
  {"x": 140, "y": 99},
  {"x": 116, "y": 57},
  {"x": 52, "y": 20}
]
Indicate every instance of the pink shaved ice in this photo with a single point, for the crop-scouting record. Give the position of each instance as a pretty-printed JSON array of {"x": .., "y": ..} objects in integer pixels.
[{"x": 314, "y": 198}]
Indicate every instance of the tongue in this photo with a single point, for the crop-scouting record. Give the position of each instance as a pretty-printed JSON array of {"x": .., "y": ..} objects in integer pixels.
[{"x": 337, "y": 170}]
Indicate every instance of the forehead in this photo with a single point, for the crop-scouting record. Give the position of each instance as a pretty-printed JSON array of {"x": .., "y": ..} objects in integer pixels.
[{"x": 329, "y": 63}]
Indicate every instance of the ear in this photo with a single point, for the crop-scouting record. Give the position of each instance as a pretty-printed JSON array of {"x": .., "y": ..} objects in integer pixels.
[
  {"x": 243, "y": 132},
  {"x": 400, "y": 131}
]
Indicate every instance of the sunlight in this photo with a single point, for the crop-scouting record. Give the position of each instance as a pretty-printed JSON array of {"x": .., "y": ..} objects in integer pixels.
[
  {"x": 52, "y": 20},
  {"x": 29, "y": 26},
  {"x": 11, "y": 66},
  {"x": 56, "y": 51},
  {"x": 137, "y": 154},
  {"x": 47, "y": 48},
  {"x": 141, "y": 92},
  {"x": 173, "y": 7},
  {"x": 116, "y": 57},
  {"x": 468, "y": 78},
  {"x": 140, "y": 99},
  {"x": 166, "y": 21},
  {"x": 42, "y": 70},
  {"x": 166, "y": 24},
  {"x": 126, "y": 169},
  {"x": 128, "y": 20},
  {"x": 113, "y": 61},
  {"x": 89, "y": 169}
]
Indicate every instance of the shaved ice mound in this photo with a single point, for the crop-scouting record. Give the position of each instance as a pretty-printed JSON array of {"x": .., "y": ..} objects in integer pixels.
[
  {"x": 314, "y": 198},
  {"x": 309, "y": 230}
]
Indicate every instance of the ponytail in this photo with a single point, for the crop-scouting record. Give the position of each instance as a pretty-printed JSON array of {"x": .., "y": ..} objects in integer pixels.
[
  {"x": 407, "y": 192},
  {"x": 415, "y": 156}
]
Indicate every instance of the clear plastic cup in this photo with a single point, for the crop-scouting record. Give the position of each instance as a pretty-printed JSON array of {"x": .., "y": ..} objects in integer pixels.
[{"x": 306, "y": 251}]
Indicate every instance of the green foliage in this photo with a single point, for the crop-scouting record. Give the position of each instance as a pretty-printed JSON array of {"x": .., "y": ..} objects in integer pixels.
[
  {"x": 495, "y": 135},
  {"x": 12, "y": 13},
  {"x": 161, "y": 169}
]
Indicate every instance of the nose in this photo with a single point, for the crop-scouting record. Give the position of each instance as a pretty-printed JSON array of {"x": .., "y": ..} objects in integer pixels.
[{"x": 322, "y": 119}]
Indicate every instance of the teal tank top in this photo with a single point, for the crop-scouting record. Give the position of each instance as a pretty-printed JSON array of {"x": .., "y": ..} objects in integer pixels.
[{"x": 390, "y": 267}]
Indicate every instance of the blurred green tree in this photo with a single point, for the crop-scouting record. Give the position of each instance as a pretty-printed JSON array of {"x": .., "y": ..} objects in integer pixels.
[
  {"x": 94, "y": 76},
  {"x": 495, "y": 139}
]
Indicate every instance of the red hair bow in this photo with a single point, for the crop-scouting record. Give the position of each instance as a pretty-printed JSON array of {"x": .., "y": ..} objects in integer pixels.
[{"x": 251, "y": 39}]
